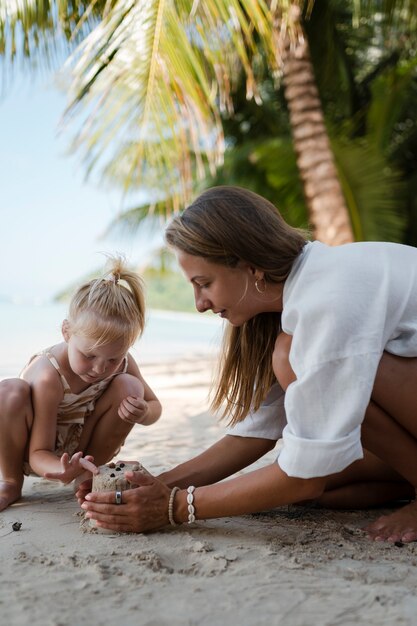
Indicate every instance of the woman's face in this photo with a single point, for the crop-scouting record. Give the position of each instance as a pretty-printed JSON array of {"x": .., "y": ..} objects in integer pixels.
[{"x": 228, "y": 292}]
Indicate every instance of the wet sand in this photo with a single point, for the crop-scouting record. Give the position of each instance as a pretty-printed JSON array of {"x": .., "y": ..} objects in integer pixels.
[{"x": 287, "y": 567}]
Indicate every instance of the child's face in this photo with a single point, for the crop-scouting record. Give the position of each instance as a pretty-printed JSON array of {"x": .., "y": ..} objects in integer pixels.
[{"x": 94, "y": 363}]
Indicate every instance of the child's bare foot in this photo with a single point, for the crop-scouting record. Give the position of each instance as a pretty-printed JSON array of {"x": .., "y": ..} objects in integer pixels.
[
  {"x": 9, "y": 493},
  {"x": 398, "y": 526}
]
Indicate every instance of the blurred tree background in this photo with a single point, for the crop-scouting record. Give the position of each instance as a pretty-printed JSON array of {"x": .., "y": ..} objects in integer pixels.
[
  {"x": 311, "y": 104},
  {"x": 366, "y": 75}
]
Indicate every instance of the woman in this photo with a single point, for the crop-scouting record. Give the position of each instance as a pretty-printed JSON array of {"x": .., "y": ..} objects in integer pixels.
[{"x": 337, "y": 328}]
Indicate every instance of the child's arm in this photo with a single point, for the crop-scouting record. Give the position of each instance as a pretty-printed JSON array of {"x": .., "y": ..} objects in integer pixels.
[
  {"x": 144, "y": 410},
  {"x": 71, "y": 467},
  {"x": 47, "y": 393}
]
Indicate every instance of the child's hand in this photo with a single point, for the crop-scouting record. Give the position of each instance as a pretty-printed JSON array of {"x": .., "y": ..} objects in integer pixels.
[
  {"x": 72, "y": 467},
  {"x": 82, "y": 486},
  {"x": 134, "y": 410}
]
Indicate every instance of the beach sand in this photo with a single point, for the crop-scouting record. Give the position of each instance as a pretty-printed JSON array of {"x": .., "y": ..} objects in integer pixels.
[{"x": 289, "y": 566}]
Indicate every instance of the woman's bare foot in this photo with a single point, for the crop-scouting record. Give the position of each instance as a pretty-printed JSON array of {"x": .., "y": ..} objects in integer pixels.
[
  {"x": 9, "y": 493},
  {"x": 398, "y": 526}
]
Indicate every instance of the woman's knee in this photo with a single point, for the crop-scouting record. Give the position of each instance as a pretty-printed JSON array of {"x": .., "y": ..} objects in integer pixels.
[
  {"x": 15, "y": 398},
  {"x": 395, "y": 389}
]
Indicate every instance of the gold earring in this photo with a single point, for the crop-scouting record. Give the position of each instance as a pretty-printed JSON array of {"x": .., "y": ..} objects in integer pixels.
[{"x": 258, "y": 289}]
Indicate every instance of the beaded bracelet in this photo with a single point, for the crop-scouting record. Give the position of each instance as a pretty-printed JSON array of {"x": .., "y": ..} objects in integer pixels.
[
  {"x": 190, "y": 500},
  {"x": 171, "y": 506}
]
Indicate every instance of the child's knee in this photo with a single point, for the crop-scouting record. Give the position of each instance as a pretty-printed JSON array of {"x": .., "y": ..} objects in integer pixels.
[
  {"x": 281, "y": 360},
  {"x": 15, "y": 397},
  {"x": 127, "y": 385}
]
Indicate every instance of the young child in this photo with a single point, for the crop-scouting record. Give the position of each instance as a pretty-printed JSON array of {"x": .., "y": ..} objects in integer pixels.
[{"x": 76, "y": 401}]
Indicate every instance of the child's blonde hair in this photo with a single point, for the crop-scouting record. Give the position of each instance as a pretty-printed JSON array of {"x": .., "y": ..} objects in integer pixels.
[
  {"x": 106, "y": 310},
  {"x": 226, "y": 225}
]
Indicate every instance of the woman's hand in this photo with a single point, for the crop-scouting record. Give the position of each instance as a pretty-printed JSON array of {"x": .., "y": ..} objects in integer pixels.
[
  {"x": 73, "y": 467},
  {"x": 145, "y": 507},
  {"x": 134, "y": 410}
]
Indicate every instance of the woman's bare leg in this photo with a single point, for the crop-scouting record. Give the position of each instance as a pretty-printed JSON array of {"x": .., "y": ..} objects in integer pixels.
[
  {"x": 365, "y": 484},
  {"x": 371, "y": 481},
  {"x": 16, "y": 418},
  {"x": 105, "y": 432},
  {"x": 390, "y": 431}
]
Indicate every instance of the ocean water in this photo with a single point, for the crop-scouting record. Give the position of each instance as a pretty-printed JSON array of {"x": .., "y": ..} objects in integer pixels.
[{"x": 26, "y": 329}]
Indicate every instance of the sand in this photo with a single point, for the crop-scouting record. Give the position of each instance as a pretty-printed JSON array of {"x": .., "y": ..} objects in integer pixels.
[{"x": 286, "y": 567}]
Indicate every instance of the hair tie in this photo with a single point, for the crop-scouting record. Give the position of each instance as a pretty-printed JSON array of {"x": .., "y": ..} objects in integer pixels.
[{"x": 114, "y": 277}]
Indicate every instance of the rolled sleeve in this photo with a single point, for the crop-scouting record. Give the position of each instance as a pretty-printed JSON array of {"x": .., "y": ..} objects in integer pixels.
[
  {"x": 325, "y": 408},
  {"x": 312, "y": 458}
]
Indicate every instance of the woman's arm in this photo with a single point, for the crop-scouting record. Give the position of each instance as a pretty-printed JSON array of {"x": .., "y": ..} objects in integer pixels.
[
  {"x": 224, "y": 458},
  {"x": 146, "y": 507},
  {"x": 260, "y": 490}
]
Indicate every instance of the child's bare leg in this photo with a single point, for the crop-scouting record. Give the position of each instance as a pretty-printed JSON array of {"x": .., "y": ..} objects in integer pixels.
[
  {"x": 390, "y": 431},
  {"x": 105, "y": 432},
  {"x": 15, "y": 423}
]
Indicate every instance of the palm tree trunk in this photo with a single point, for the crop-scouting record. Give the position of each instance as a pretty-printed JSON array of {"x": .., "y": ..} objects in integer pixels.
[{"x": 327, "y": 208}]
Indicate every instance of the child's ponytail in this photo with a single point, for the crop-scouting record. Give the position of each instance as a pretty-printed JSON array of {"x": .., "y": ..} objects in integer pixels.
[{"x": 111, "y": 307}]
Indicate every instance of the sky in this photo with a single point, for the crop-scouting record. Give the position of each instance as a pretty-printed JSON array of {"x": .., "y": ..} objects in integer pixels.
[{"x": 51, "y": 219}]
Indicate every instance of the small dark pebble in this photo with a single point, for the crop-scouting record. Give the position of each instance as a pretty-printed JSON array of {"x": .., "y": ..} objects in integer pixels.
[
  {"x": 118, "y": 469},
  {"x": 17, "y": 525},
  {"x": 112, "y": 475},
  {"x": 122, "y": 464},
  {"x": 399, "y": 544}
]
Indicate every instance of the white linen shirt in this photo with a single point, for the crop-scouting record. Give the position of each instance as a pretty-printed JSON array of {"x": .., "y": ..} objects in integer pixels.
[{"x": 343, "y": 307}]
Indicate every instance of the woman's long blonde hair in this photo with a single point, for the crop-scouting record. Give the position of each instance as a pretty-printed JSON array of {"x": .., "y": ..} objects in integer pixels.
[
  {"x": 226, "y": 225},
  {"x": 109, "y": 308}
]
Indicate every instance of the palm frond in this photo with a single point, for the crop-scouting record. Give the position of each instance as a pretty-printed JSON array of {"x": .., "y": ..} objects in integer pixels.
[
  {"x": 129, "y": 221},
  {"x": 374, "y": 191},
  {"x": 150, "y": 96},
  {"x": 43, "y": 33},
  {"x": 268, "y": 167},
  {"x": 276, "y": 157},
  {"x": 392, "y": 93},
  {"x": 155, "y": 75}
]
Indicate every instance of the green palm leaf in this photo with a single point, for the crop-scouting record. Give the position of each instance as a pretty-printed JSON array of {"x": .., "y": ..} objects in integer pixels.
[
  {"x": 159, "y": 73},
  {"x": 374, "y": 191},
  {"x": 129, "y": 222},
  {"x": 268, "y": 167}
]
